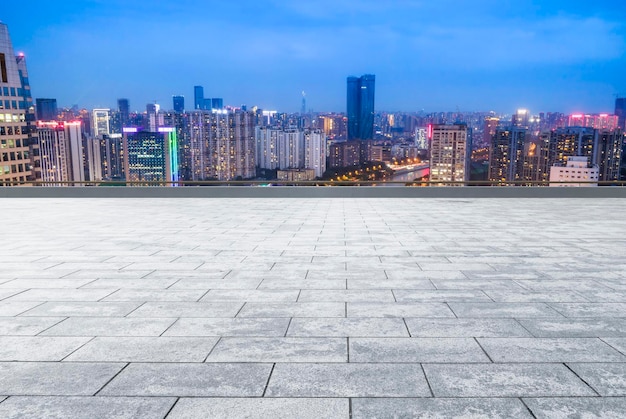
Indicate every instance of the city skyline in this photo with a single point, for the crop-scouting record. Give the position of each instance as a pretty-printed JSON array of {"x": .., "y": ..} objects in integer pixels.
[{"x": 557, "y": 56}]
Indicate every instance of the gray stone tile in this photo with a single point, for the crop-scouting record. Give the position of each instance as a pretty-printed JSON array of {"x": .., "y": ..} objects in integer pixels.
[
  {"x": 581, "y": 407},
  {"x": 190, "y": 380},
  {"x": 409, "y": 350},
  {"x": 26, "y": 326},
  {"x": 8, "y": 292},
  {"x": 476, "y": 284},
  {"x": 206, "y": 284},
  {"x": 54, "y": 378},
  {"x": 606, "y": 379},
  {"x": 504, "y": 380},
  {"x": 506, "y": 296},
  {"x": 344, "y": 327},
  {"x": 576, "y": 327},
  {"x": 617, "y": 343},
  {"x": 90, "y": 309},
  {"x": 347, "y": 380},
  {"x": 432, "y": 275},
  {"x": 60, "y": 295},
  {"x": 300, "y": 408},
  {"x": 262, "y": 327},
  {"x": 549, "y": 350},
  {"x": 38, "y": 348},
  {"x": 379, "y": 284},
  {"x": 453, "y": 328},
  {"x": 439, "y": 296},
  {"x": 303, "y": 284},
  {"x": 155, "y": 295},
  {"x": 27, "y": 283},
  {"x": 85, "y": 407},
  {"x": 272, "y": 296},
  {"x": 439, "y": 408},
  {"x": 333, "y": 309},
  {"x": 346, "y": 296},
  {"x": 606, "y": 296},
  {"x": 13, "y": 308},
  {"x": 280, "y": 350},
  {"x": 590, "y": 309},
  {"x": 145, "y": 349},
  {"x": 518, "y": 310},
  {"x": 131, "y": 283},
  {"x": 110, "y": 326},
  {"x": 399, "y": 310},
  {"x": 455, "y": 266},
  {"x": 184, "y": 309}
]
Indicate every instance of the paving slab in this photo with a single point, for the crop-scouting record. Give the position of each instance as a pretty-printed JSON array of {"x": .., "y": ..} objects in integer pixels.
[
  {"x": 88, "y": 309},
  {"x": 38, "y": 348},
  {"x": 332, "y": 309},
  {"x": 187, "y": 309},
  {"x": 453, "y": 328},
  {"x": 505, "y": 380},
  {"x": 590, "y": 309},
  {"x": 581, "y": 407},
  {"x": 59, "y": 295},
  {"x": 439, "y": 296},
  {"x": 142, "y": 295},
  {"x": 576, "y": 327},
  {"x": 85, "y": 407},
  {"x": 365, "y": 408},
  {"x": 347, "y": 327},
  {"x": 26, "y": 326},
  {"x": 398, "y": 310},
  {"x": 14, "y": 308},
  {"x": 55, "y": 378},
  {"x": 287, "y": 408},
  {"x": 273, "y": 296},
  {"x": 110, "y": 326},
  {"x": 503, "y": 310},
  {"x": 347, "y": 380},
  {"x": 191, "y": 380},
  {"x": 280, "y": 350},
  {"x": 606, "y": 379},
  {"x": 411, "y": 350},
  {"x": 346, "y": 296},
  {"x": 549, "y": 350},
  {"x": 259, "y": 327}
]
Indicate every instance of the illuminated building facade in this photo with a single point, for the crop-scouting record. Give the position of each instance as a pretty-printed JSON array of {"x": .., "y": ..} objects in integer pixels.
[
  {"x": 599, "y": 121},
  {"x": 360, "y": 100},
  {"x": 489, "y": 129},
  {"x": 449, "y": 153},
  {"x": 151, "y": 156},
  {"x": 620, "y": 111},
  {"x": 315, "y": 151},
  {"x": 60, "y": 150},
  {"x": 17, "y": 115},
  {"x": 506, "y": 155},
  {"x": 100, "y": 122}
]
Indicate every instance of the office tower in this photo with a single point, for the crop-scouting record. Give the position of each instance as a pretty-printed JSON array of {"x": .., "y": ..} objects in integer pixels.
[
  {"x": 489, "y": 129},
  {"x": 46, "y": 109},
  {"x": 620, "y": 111},
  {"x": 123, "y": 107},
  {"x": 521, "y": 118},
  {"x": 17, "y": 115},
  {"x": 448, "y": 153},
  {"x": 150, "y": 156},
  {"x": 112, "y": 156},
  {"x": 315, "y": 151},
  {"x": 198, "y": 97},
  {"x": 60, "y": 151},
  {"x": 506, "y": 155},
  {"x": 598, "y": 121},
  {"x": 577, "y": 169},
  {"x": 179, "y": 103},
  {"x": 180, "y": 121},
  {"x": 100, "y": 122},
  {"x": 360, "y": 100},
  {"x": 217, "y": 103}
]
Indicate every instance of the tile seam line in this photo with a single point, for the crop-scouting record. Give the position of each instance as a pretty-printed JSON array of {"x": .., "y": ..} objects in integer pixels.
[
  {"x": 111, "y": 379},
  {"x": 581, "y": 379}
]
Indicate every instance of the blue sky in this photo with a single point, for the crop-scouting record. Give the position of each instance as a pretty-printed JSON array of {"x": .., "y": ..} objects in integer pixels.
[{"x": 472, "y": 55}]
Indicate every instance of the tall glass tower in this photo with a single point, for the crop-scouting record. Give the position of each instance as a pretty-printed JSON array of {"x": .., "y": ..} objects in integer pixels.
[
  {"x": 620, "y": 111},
  {"x": 360, "y": 101}
]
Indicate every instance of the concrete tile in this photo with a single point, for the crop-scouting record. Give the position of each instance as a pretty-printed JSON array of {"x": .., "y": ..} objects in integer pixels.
[
  {"x": 439, "y": 296},
  {"x": 576, "y": 327},
  {"x": 590, "y": 309},
  {"x": 184, "y": 309},
  {"x": 335, "y": 309},
  {"x": 399, "y": 310},
  {"x": 347, "y": 327},
  {"x": 347, "y": 380},
  {"x": 279, "y": 350},
  {"x": 145, "y": 349},
  {"x": 61, "y": 295},
  {"x": 155, "y": 295},
  {"x": 85, "y": 407},
  {"x": 504, "y": 380},
  {"x": 518, "y": 310},
  {"x": 300, "y": 408},
  {"x": 455, "y": 267},
  {"x": 38, "y": 348},
  {"x": 379, "y": 284},
  {"x": 504, "y": 296},
  {"x": 581, "y": 407},
  {"x": 54, "y": 378},
  {"x": 190, "y": 380},
  {"x": 424, "y": 274},
  {"x": 109, "y": 326},
  {"x": 272, "y": 296},
  {"x": 89, "y": 309},
  {"x": 8, "y": 292},
  {"x": 14, "y": 308},
  {"x": 408, "y": 350},
  {"x": 26, "y": 326},
  {"x": 346, "y": 296},
  {"x": 453, "y": 328},
  {"x": 206, "y": 284},
  {"x": 549, "y": 350},
  {"x": 303, "y": 284},
  {"x": 131, "y": 283},
  {"x": 476, "y": 284},
  {"x": 269, "y": 327},
  {"x": 439, "y": 408},
  {"x": 606, "y": 379}
]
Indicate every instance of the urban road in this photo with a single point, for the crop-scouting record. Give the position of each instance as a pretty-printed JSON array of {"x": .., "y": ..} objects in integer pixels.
[{"x": 312, "y": 308}]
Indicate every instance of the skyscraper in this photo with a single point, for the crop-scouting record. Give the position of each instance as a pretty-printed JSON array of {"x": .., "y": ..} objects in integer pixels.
[
  {"x": 448, "y": 153},
  {"x": 60, "y": 151},
  {"x": 506, "y": 156},
  {"x": 620, "y": 111},
  {"x": 198, "y": 97},
  {"x": 46, "y": 109},
  {"x": 150, "y": 156},
  {"x": 16, "y": 114},
  {"x": 100, "y": 122},
  {"x": 360, "y": 101},
  {"x": 123, "y": 106},
  {"x": 179, "y": 103}
]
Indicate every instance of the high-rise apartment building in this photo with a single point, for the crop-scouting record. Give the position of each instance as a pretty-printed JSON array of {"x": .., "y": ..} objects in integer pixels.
[
  {"x": 598, "y": 121},
  {"x": 449, "y": 153},
  {"x": 60, "y": 151},
  {"x": 506, "y": 155},
  {"x": 521, "y": 118},
  {"x": 489, "y": 129},
  {"x": 315, "y": 151},
  {"x": 150, "y": 156},
  {"x": 123, "y": 107},
  {"x": 17, "y": 115},
  {"x": 178, "y": 103},
  {"x": 46, "y": 109},
  {"x": 360, "y": 100},
  {"x": 620, "y": 111},
  {"x": 100, "y": 122}
]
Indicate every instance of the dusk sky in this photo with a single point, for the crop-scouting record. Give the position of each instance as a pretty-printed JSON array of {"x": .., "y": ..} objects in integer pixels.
[{"x": 440, "y": 55}]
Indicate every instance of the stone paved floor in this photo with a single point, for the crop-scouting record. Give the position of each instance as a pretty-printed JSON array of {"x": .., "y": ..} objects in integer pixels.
[{"x": 312, "y": 308}]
